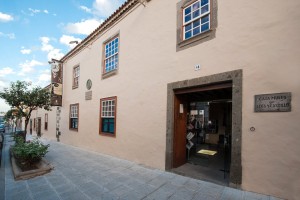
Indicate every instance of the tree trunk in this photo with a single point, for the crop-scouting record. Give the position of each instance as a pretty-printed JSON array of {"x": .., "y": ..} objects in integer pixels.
[
  {"x": 27, "y": 118},
  {"x": 26, "y": 124}
]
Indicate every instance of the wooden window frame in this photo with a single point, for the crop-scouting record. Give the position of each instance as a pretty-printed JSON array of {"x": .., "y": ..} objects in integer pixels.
[
  {"x": 74, "y": 85},
  {"x": 46, "y": 122},
  {"x": 184, "y": 24},
  {"x": 70, "y": 119},
  {"x": 115, "y": 117},
  {"x": 209, "y": 34},
  {"x": 105, "y": 73}
]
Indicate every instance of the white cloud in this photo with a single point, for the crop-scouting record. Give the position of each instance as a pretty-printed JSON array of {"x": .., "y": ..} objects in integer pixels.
[
  {"x": 105, "y": 8},
  {"x": 3, "y": 105},
  {"x": 2, "y": 84},
  {"x": 5, "y": 17},
  {"x": 86, "y": 9},
  {"x": 33, "y": 11},
  {"x": 52, "y": 52},
  {"x": 8, "y": 35},
  {"x": 66, "y": 39},
  {"x": 28, "y": 66},
  {"x": 55, "y": 54},
  {"x": 84, "y": 27},
  {"x": 44, "y": 78},
  {"x": 45, "y": 44},
  {"x": 25, "y": 51},
  {"x": 6, "y": 71}
]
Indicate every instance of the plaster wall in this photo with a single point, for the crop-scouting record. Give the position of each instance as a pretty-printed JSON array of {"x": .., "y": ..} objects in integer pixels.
[{"x": 260, "y": 37}]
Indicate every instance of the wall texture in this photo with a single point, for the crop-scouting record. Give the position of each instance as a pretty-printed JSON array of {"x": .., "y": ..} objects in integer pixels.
[{"x": 260, "y": 37}]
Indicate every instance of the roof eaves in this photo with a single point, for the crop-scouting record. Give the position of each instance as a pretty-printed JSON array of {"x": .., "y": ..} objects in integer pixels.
[{"x": 123, "y": 9}]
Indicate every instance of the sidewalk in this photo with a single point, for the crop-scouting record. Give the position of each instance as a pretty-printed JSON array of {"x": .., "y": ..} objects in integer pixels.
[{"x": 80, "y": 174}]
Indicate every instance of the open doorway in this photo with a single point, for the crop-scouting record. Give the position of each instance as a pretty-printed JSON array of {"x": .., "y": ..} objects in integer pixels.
[
  {"x": 204, "y": 128},
  {"x": 202, "y": 137}
]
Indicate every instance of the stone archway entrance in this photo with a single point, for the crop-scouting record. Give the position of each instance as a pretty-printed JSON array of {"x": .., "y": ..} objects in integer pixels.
[{"x": 235, "y": 78}]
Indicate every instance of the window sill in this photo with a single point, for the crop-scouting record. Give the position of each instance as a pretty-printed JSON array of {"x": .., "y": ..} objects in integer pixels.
[
  {"x": 108, "y": 134},
  {"x": 74, "y": 87},
  {"x": 73, "y": 129},
  {"x": 195, "y": 40},
  {"x": 109, "y": 74}
]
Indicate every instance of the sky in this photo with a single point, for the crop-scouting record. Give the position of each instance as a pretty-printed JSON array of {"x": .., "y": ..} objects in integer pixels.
[{"x": 32, "y": 32}]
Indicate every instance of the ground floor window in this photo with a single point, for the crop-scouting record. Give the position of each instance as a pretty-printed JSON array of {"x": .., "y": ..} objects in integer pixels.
[
  {"x": 46, "y": 121},
  {"x": 74, "y": 113},
  {"x": 108, "y": 116}
]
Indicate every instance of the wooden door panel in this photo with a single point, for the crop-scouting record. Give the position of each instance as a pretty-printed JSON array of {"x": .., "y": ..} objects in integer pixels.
[{"x": 179, "y": 141}]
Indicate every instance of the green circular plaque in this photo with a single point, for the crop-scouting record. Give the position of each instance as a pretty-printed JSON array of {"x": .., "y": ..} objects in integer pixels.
[{"x": 89, "y": 84}]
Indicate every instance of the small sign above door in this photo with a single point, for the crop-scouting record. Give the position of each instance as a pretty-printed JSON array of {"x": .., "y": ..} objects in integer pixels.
[{"x": 278, "y": 102}]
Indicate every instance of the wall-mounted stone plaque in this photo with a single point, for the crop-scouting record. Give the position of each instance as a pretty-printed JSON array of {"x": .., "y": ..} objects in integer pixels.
[
  {"x": 88, "y": 84},
  {"x": 278, "y": 102},
  {"x": 88, "y": 95}
]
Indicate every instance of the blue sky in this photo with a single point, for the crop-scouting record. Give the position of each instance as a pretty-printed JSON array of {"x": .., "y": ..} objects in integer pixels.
[{"x": 34, "y": 31}]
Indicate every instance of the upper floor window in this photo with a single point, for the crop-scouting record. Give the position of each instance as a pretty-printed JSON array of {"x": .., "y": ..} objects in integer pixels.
[
  {"x": 196, "y": 18},
  {"x": 108, "y": 116},
  {"x": 196, "y": 22},
  {"x": 76, "y": 72},
  {"x": 74, "y": 113},
  {"x": 111, "y": 54}
]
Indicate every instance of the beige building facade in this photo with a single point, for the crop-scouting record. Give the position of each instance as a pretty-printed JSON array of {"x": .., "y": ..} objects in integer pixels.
[{"x": 131, "y": 88}]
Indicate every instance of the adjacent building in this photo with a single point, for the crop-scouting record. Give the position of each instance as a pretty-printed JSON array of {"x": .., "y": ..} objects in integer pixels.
[{"x": 204, "y": 88}]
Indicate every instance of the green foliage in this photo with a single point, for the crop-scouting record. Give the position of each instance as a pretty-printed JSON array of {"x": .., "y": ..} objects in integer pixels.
[
  {"x": 28, "y": 153},
  {"x": 25, "y": 99}
]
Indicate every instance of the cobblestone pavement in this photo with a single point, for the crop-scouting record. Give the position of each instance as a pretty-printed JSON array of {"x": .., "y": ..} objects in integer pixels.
[{"x": 80, "y": 174}]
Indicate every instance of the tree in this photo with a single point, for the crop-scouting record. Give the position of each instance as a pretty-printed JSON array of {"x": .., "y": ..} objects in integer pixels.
[
  {"x": 25, "y": 99},
  {"x": 12, "y": 116}
]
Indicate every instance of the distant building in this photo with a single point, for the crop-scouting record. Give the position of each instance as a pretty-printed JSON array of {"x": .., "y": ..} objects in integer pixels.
[{"x": 205, "y": 88}]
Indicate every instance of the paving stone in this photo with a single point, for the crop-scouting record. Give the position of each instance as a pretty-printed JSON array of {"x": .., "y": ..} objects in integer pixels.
[
  {"x": 55, "y": 181},
  {"x": 16, "y": 186},
  {"x": 109, "y": 196},
  {"x": 157, "y": 182},
  {"x": 169, "y": 188},
  {"x": 91, "y": 186},
  {"x": 73, "y": 194},
  {"x": 44, "y": 194},
  {"x": 192, "y": 184},
  {"x": 254, "y": 196},
  {"x": 122, "y": 191},
  {"x": 159, "y": 194},
  {"x": 183, "y": 193},
  {"x": 231, "y": 194},
  {"x": 132, "y": 182},
  {"x": 179, "y": 180},
  {"x": 274, "y": 198},
  {"x": 63, "y": 188},
  {"x": 40, "y": 189},
  {"x": 133, "y": 196},
  {"x": 37, "y": 181},
  {"x": 212, "y": 190},
  {"x": 80, "y": 174},
  {"x": 112, "y": 185},
  {"x": 144, "y": 189},
  {"x": 23, "y": 195}
]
